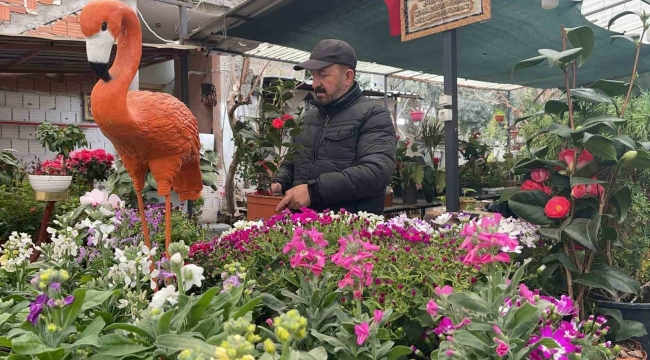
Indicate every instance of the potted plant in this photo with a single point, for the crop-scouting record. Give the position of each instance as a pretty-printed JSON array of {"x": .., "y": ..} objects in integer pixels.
[
  {"x": 55, "y": 175},
  {"x": 266, "y": 144},
  {"x": 574, "y": 194},
  {"x": 412, "y": 174},
  {"x": 93, "y": 165},
  {"x": 499, "y": 116},
  {"x": 417, "y": 115}
]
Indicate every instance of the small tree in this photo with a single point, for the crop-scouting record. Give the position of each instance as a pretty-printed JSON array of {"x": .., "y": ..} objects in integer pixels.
[{"x": 61, "y": 140}]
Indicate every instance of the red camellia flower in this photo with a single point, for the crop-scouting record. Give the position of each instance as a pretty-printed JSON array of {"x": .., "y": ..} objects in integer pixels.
[
  {"x": 558, "y": 207},
  {"x": 436, "y": 160},
  {"x": 579, "y": 191},
  {"x": 286, "y": 117},
  {"x": 532, "y": 185},
  {"x": 277, "y": 123},
  {"x": 568, "y": 156},
  {"x": 540, "y": 175},
  {"x": 595, "y": 189}
]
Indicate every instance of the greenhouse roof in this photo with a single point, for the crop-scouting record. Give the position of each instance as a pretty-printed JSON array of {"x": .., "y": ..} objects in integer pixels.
[{"x": 486, "y": 51}]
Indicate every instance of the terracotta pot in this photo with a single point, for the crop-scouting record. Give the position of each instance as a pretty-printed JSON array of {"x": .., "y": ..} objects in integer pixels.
[
  {"x": 50, "y": 183},
  {"x": 499, "y": 118},
  {"x": 388, "y": 200},
  {"x": 261, "y": 207},
  {"x": 417, "y": 115}
]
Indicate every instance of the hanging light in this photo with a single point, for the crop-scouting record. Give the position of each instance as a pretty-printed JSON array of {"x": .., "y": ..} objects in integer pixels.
[{"x": 550, "y": 4}]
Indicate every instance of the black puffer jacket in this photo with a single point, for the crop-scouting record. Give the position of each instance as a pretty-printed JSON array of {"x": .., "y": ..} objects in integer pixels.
[{"x": 348, "y": 155}]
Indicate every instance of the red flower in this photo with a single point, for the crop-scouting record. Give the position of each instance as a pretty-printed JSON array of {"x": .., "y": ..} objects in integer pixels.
[
  {"x": 436, "y": 161},
  {"x": 277, "y": 123},
  {"x": 568, "y": 156},
  {"x": 286, "y": 117},
  {"x": 558, "y": 207},
  {"x": 530, "y": 185},
  {"x": 595, "y": 189},
  {"x": 540, "y": 175},
  {"x": 579, "y": 191}
]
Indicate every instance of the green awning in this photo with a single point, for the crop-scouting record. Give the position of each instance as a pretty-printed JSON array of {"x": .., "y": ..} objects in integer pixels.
[{"x": 486, "y": 51}]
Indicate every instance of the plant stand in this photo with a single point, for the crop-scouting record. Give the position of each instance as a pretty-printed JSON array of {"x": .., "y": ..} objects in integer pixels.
[{"x": 51, "y": 198}]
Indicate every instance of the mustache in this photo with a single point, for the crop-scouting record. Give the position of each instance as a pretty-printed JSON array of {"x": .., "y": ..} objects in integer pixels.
[{"x": 319, "y": 90}]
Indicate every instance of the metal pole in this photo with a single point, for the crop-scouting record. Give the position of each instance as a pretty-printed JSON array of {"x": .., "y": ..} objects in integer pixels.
[
  {"x": 386, "y": 91},
  {"x": 508, "y": 120},
  {"x": 449, "y": 66},
  {"x": 185, "y": 93}
]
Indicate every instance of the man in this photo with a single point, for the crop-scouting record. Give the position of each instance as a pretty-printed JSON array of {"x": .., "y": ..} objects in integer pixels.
[{"x": 348, "y": 142}]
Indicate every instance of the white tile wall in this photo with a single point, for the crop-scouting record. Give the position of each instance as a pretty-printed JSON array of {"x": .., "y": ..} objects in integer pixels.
[
  {"x": 27, "y": 132},
  {"x": 5, "y": 144},
  {"x": 31, "y": 101},
  {"x": 5, "y": 114},
  {"x": 53, "y": 116},
  {"x": 68, "y": 117},
  {"x": 13, "y": 99},
  {"x": 21, "y": 146},
  {"x": 35, "y": 148},
  {"x": 20, "y": 114},
  {"x": 91, "y": 134},
  {"x": 10, "y": 132},
  {"x": 2, "y": 98},
  {"x": 48, "y": 102},
  {"x": 36, "y": 115},
  {"x": 63, "y": 103}
]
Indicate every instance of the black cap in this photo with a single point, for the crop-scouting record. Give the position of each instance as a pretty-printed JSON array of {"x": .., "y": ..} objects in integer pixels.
[{"x": 329, "y": 52}]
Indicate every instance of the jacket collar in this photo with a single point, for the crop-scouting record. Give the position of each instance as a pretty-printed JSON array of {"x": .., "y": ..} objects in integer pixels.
[{"x": 341, "y": 103}]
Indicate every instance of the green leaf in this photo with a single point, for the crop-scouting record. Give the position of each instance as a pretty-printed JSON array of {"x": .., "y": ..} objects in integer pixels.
[
  {"x": 641, "y": 161},
  {"x": 596, "y": 96},
  {"x": 133, "y": 329},
  {"x": 563, "y": 259},
  {"x": 507, "y": 193},
  {"x": 622, "y": 200},
  {"x": 560, "y": 130},
  {"x": 618, "y": 16},
  {"x": 466, "y": 338},
  {"x": 94, "y": 298},
  {"x": 523, "y": 118},
  {"x": 180, "y": 342},
  {"x": 469, "y": 301},
  {"x": 577, "y": 230},
  {"x": 116, "y": 345},
  {"x": 273, "y": 303},
  {"x": 633, "y": 38},
  {"x": 595, "y": 281},
  {"x": 165, "y": 322},
  {"x": 55, "y": 354},
  {"x": 560, "y": 58},
  {"x": 200, "y": 306},
  {"x": 29, "y": 344},
  {"x": 630, "y": 329},
  {"x": 582, "y": 37},
  {"x": 612, "y": 88},
  {"x": 5, "y": 342},
  {"x": 609, "y": 234},
  {"x": 476, "y": 326},
  {"x": 625, "y": 141},
  {"x": 88, "y": 341},
  {"x": 525, "y": 319},
  {"x": 550, "y": 232},
  {"x": 618, "y": 279},
  {"x": 556, "y": 107},
  {"x": 549, "y": 343},
  {"x": 527, "y": 64},
  {"x": 593, "y": 227},
  {"x": 249, "y": 306},
  {"x": 274, "y": 138},
  {"x": 70, "y": 312},
  {"x": 529, "y": 205},
  {"x": 94, "y": 328},
  {"x": 600, "y": 146}
]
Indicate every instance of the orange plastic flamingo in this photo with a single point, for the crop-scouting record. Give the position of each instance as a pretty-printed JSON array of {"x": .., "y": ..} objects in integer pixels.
[{"x": 150, "y": 131}]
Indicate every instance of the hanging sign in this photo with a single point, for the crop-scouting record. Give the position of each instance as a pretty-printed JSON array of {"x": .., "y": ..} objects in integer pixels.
[{"x": 425, "y": 17}]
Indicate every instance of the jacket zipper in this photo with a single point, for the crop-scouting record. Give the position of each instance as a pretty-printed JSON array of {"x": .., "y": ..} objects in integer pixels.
[{"x": 316, "y": 147}]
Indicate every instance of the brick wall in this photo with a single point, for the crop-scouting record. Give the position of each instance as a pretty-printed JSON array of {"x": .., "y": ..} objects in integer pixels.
[{"x": 26, "y": 101}]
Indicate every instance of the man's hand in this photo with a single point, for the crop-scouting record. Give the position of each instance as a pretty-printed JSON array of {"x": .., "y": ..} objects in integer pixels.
[
  {"x": 295, "y": 198},
  {"x": 276, "y": 189}
]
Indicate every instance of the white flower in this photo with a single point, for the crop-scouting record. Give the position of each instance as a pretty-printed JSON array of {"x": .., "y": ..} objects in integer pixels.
[
  {"x": 115, "y": 202},
  {"x": 192, "y": 275},
  {"x": 442, "y": 219},
  {"x": 87, "y": 224},
  {"x": 177, "y": 259},
  {"x": 94, "y": 198},
  {"x": 168, "y": 294},
  {"x": 507, "y": 249},
  {"x": 123, "y": 303},
  {"x": 16, "y": 251}
]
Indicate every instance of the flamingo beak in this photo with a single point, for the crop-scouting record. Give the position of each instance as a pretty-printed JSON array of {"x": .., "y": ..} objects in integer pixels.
[{"x": 98, "y": 52}]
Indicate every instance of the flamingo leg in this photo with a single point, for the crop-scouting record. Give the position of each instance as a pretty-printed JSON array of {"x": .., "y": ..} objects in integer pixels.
[{"x": 168, "y": 224}]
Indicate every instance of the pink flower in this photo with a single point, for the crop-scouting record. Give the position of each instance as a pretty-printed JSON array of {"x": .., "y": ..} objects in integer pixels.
[
  {"x": 347, "y": 281},
  {"x": 497, "y": 330},
  {"x": 502, "y": 347},
  {"x": 93, "y": 198},
  {"x": 568, "y": 156},
  {"x": 579, "y": 191},
  {"x": 525, "y": 293},
  {"x": 432, "y": 308},
  {"x": 444, "y": 327},
  {"x": 269, "y": 321},
  {"x": 595, "y": 189},
  {"x": 540, "y": 175},
  {"x": 378, "y": 316},
  {"x": 362, "y": 331},
  {"x": 446, "y": 290}
]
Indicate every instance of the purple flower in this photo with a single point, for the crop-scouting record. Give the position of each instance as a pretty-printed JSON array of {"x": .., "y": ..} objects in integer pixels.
[
  {"x": 55, "y": 286},
  {"x": 565, "y": 306},
  {"x": 564, "y": 342},
  {"x": 68, "y": 300},
  {"x": 35, "y": 309}
]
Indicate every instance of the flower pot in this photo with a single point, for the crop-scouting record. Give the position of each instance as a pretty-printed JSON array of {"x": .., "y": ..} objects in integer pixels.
[
  {"x": 388, "y": 200},
  {"x": 410, "y": 196},
  {"x": 417, "y": 115},
  {"x": 632, "y": 311},
  {"x": 499, "y": 118},
  {"x": 50, "y": 183},
  {"x": 261, "y": 207}
]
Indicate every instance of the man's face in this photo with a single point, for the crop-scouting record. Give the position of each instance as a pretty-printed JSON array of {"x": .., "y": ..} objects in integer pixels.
[{"x": 331, "y": 83}]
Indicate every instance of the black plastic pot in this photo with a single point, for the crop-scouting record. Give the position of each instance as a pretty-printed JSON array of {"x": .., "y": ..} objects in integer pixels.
[
  {"x": 410, "y": 196},
  {"x": 635, "y": 312}
]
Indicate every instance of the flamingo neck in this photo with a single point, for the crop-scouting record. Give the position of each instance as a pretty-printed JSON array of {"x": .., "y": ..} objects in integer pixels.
[{"x": 127, "y": 57}]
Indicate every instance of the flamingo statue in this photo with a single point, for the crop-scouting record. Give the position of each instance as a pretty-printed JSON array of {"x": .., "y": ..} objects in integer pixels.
[{"x": 150, "y": 131}]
